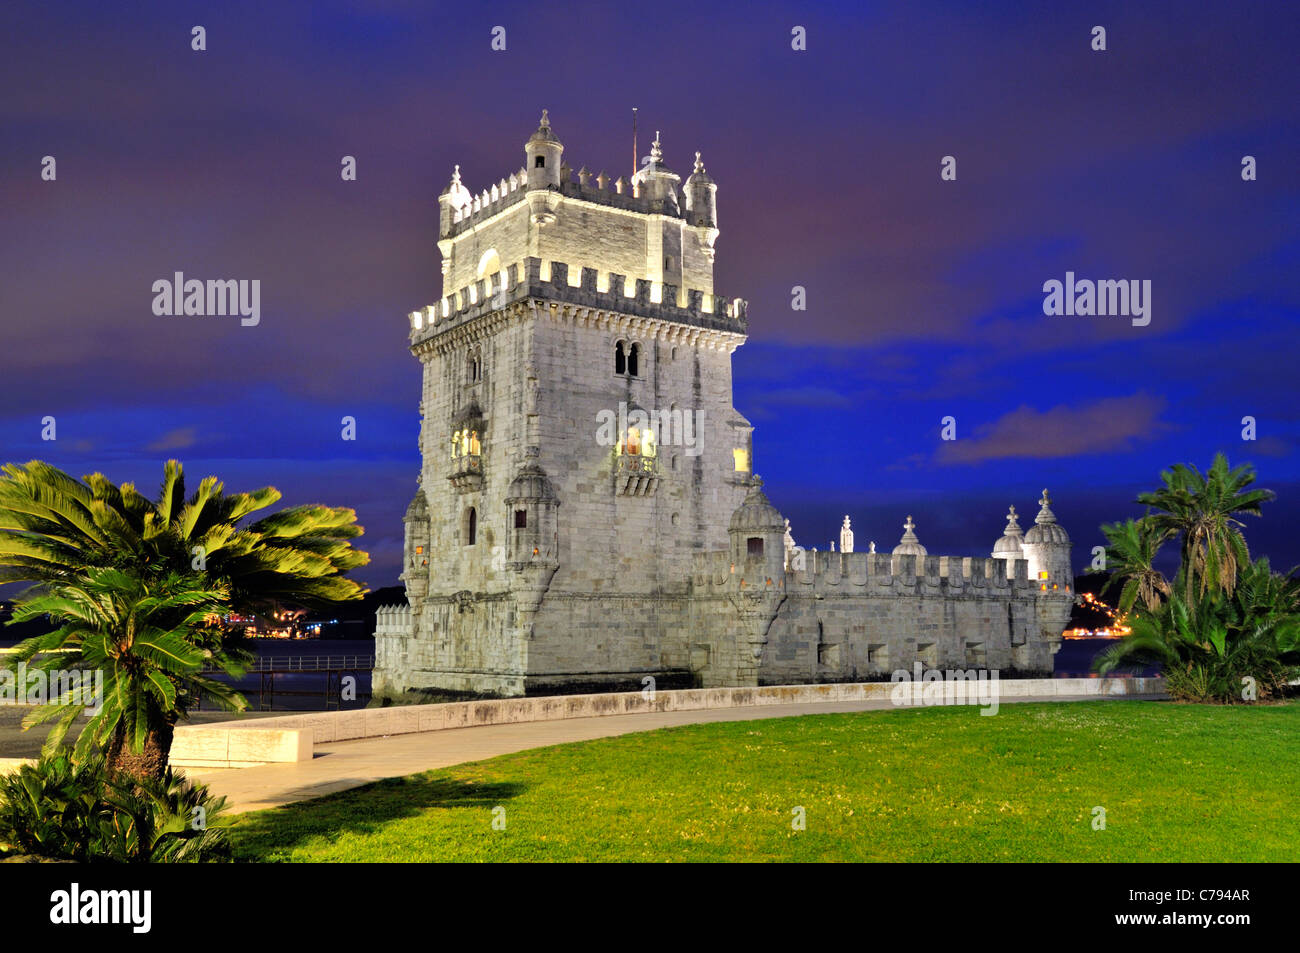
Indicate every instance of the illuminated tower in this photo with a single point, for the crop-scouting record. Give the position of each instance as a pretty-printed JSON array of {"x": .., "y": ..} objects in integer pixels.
[{"x": 578, "y": 438}]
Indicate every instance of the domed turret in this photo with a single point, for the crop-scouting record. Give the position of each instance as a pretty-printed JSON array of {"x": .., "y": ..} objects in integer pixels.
[
  {"x": 1045, "y": 528},
  {"x": 756, "y": 514},
  {"x": 757, "y": 531},
  {"x": 543, "y": 151},
  {"x": 454, "y": 198},
  {"x": 1047, "y": 548},
  {"x": 1010, "y": 546},
  {"x": 415, "y": 574},
  {"x": 701, "y": 197},
  {"x": 909, "y": 545},
  {"x": 656, "y": 181},
  {"x": 531, "y": 502},
  {"x": 531, "y": 485}
]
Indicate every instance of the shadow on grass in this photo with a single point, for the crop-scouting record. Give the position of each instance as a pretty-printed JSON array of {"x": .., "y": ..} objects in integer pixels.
[{"x": 269, "y": 834}]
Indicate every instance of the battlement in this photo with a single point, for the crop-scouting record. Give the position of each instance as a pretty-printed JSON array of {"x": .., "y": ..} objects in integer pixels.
[
  {"x": 489, "y": 202},
  {"x": 554, "y": 281},
  {"x": 599, "y": 189},
  {"x": 859, "y": 573},
  {"x": 393, "y": 620}
]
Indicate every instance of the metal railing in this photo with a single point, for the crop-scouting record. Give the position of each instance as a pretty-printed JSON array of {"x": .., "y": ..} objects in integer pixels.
[{"x": 309, "y": 663}]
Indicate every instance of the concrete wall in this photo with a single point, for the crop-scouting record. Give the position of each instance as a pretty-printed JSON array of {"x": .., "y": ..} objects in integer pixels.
[{"x": 290, "y": 738}]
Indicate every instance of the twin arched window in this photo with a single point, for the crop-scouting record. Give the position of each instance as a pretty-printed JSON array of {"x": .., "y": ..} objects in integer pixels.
[
  {"x": 626, "y": 358},
  {"x": 465, "y": 443}
]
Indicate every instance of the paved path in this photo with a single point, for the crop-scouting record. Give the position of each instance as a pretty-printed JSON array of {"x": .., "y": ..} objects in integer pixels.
[{"x": 349, "y": 764}]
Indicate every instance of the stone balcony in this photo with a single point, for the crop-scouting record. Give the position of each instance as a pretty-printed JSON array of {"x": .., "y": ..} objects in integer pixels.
[
  {"x": 636, "y": 475},
  {"x": 467, "y": 472}
]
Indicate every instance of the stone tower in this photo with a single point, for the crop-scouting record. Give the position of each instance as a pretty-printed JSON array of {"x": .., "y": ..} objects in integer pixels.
[{"x": 578, "y": 437}]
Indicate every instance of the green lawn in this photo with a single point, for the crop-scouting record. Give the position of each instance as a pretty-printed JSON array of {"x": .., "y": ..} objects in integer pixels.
[{"x": 1178, "y": 783}]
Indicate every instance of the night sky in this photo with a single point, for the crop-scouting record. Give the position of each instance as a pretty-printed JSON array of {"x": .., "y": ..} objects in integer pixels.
[{"x": 924, "y": 296}]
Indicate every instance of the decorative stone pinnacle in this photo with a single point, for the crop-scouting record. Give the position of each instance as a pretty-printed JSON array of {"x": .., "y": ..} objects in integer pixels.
[
  {"x": 1013, "y": 528},
  {"x": 546, "y": 122},
  {"x": 656, "y": 151},
  {"x": 699, "y": 166},
  {"x": 846, "y": 522},
  {"x": 1045, "y": 515}
]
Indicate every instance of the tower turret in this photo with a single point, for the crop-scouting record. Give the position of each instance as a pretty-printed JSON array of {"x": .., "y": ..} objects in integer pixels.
[
  {"x": 701, "y": 198},
  {"x": 757, "y": 533},
  {"x": 543, "y": 154},
  {"x": 656, "y": 181},
  {"x": 1047, "y": 548},
  {"x": 1011, "y": 544},
  {"x": 452, "y": 199},
  {"x": 910, "y": 545},
  {"x": 415, "y": 572}
]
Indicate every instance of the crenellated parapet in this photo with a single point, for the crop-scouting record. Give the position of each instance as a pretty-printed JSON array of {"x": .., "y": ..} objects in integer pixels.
[
  {"x": 393, "y": 620},
  {"x": 585, "y": 288},
  {"x": 867, "y": 573},
  {"x": 598, "y": 189}
]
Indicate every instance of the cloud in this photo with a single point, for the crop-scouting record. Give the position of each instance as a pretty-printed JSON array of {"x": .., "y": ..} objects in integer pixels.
[
  {"x": 1106, "y": 426},
  {"x": 177, "y": 439}
]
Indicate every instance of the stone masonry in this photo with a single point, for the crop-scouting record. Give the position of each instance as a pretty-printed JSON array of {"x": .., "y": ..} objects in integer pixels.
[{"x": 587, "y": 514}]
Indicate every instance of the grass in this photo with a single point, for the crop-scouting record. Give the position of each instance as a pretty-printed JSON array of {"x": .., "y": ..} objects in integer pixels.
[{"x": 1178, "y": 783}]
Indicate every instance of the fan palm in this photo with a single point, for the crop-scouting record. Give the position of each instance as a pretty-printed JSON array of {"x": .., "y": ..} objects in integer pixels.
[
  {"x": 140, "y": 634},
  {"x": 1129, "y": 557},
  {"x": 1202, "y": 510},
  {"x": 186, "y": 557}
]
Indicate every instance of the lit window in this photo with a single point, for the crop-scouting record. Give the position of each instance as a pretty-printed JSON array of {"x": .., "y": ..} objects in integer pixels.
[
  {"x": 465, "y": 443},
  {"x": 742, "y": 459},
  {"x": 1043, "y": 574}
]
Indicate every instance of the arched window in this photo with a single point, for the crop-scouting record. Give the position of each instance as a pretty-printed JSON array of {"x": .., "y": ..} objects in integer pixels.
[
  {"x": 539, "y": 162},
  {"x": 465, "y": 443},
  {"x": 620, "y": 361},
  {"x": 474, "y": 365},
  {"x": 471, "y": 527},
  {"x": 632, "y": 356},
  {"x": 489, "y": 264}
]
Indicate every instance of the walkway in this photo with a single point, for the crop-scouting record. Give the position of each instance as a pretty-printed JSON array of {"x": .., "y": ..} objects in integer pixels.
[{"x": 349, "y": 764}]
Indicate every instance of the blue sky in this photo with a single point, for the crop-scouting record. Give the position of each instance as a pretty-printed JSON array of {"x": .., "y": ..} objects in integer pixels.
[{"x": 924, "y": 297}]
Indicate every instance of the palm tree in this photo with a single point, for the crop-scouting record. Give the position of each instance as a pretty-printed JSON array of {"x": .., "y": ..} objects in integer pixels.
[
  {"x": 57, "y": 531},
  {"x": 1133, "y": 548},
  {"x": 140, "y": 634},
  {"x": 1202, "y": 510}
]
